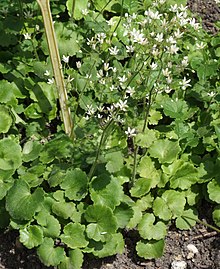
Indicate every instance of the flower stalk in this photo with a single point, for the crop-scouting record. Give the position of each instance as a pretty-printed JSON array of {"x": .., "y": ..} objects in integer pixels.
[{"x": 57, "y": 67}]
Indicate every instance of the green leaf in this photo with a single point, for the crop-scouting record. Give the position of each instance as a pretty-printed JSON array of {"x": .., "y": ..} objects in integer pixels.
[
  {"x": 170, "y": 204},
  {"x": 115, "y": 245},
  {"x": 79, "y": 6},
  {"x": 50, "y": 225},
  {"x": 136, "y": 217},
  {"x": 5, "y": 119},
  {"x": 146, "y": 139},
  {"x": 75, "y": 184},
  {"x": 123, "y": 214},
  {"x": 31, "y": 150},
  {"x": 21, "y": 203},
  {"x": 183, "y": 175},
  {"x": 57, "y": 148},
  {"x": 114, "y": 161},
  {"x": 146, "y": 168},
  {"x": 31, "y": 236},
  {"x": 213, "y": 188},
  {"x": 74, "y": 236},
  {"x": 161, "y": 209},
  {"x": 175, "y": 108},
  {"x": 74, "y": 261},
  {"x": 66, "y": 210},
  {"x": 103, "y": 222},
  {"x": 187, "y": 220},
  {"x": 142, "y": 186},
  {"x": 106, "y": 190},
  {"x": 10, "y": 155},
  {"x": 149, "y": 230},
  {"x": 150, "y": 250},
  {"x": 216, "y": 215},
  {"x": 165, "y": 151},
  {"x": 50, "y": 255},
  {"x": 67, "y": 37}
]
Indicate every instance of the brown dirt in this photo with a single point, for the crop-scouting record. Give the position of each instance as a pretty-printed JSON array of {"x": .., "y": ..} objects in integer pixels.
[{"x": 14, "y": 256}]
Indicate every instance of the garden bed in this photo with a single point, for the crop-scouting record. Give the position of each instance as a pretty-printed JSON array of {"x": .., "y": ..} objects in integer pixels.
[{"x": 14, "y": 256}]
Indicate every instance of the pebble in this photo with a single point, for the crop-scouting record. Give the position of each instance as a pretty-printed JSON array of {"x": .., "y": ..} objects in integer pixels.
[
  {"x": 178, "y": 265},
  {"x": 192, "y": 251}
]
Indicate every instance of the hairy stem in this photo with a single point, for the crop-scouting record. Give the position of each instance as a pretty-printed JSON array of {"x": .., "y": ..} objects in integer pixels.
[
  {"x": 202, "y": 222},
  {"x": 57, "y": 68}
]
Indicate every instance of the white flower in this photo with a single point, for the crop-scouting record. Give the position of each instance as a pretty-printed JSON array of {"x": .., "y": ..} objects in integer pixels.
[
  {"x": 122, "y": 79},
  {"x": 65, "y": 59},
  {"x": 129, "y": 49},
  {"x": 78, "y": 64},
  {"x": 47, "y": 73},
  {"x": 130, "y": 132},
  {"x": 173, "y": 8},
  {"x": 106, "y": 67},
  {"x": 211, "y": 94},
  {"x": 138, "y": 37},
  {"x": 178, "y": 34},
  {"x": 153, "y": 15},
  {"x": 69, "y": 79},
  {"x": 27, "y": 36},
  {"x": 159, "y": 37},
  {"x": 153, "y": 66},
  {"x": 85, "y": 12},
  {"x": 111, "y": 22},
  {"x": 171, "y": 40},
  {"x": 113, "y": 50},
  {"x": 185, "y": 61},
  {"x": 130, "y": 90},
  {"x": 201, "y": 45},
  {"x": 185, "y": 83},
  {"x": 166, "y": 72},
  {"x": 173, "y": 49},
  {"x": 50, "y": 81},
  {"x": 122, "y": 105}
]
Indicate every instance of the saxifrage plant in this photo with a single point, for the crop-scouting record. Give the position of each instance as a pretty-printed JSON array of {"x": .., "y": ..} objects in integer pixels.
[{"x": 143, "y": 84}]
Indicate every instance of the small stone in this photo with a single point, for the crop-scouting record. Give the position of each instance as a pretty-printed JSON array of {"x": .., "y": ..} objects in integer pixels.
[
  {"x": 192, "y": 251},
  {"x": 178, "y": 265}
]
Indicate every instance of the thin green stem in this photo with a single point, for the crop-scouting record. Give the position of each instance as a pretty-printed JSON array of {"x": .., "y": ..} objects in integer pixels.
[
  {"x": 73, "y": 9},
  {"x": 203, "y": 223},
  {"x": 102, "y": 141}
]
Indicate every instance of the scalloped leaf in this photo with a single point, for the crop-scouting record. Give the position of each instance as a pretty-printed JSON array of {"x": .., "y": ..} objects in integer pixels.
[
  {"x": 50, "y": 255},
  {"x": 114, "y": 161},
  {"x": 5, "y": 119},
  {"x": 216, "y": 215},
  {"x": 150, "y": 250},
  {"x": 115, "y": 245},
  {"x": 31, "y": 236},
  {"x": 123, "y": 214},
  {"x": 106, "y": 190},
  {"x": 103, "y": 222},
  {"x": 75, "y": 184},
  {"x": 50, "y": 225},
  {"x": 149, "y": 230},
  {"x": 10, "y": 155},
  {"x": 74, "y": 236},
  {"x": 31, "y": 150},
  {"x": 169, "y": 205},
  {"x": 79, "y": 6},
  {"x": 164, "y": 150},
  {"x": 74, "y": 261},
  {"x": 187, "y": 220},
  {"x": 213, "y": 189},
  {"x": 21, "y": 203}
]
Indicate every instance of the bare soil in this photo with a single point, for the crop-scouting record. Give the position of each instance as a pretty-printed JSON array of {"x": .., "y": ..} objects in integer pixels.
[{"x": 14, "y": 256}]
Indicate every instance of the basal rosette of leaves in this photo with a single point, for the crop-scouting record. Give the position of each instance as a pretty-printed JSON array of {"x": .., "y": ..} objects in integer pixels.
[{"x": 143, "y": 85}]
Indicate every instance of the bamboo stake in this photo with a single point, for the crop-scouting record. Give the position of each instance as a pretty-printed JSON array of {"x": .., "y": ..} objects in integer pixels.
[{"x": 57, "y": 67}]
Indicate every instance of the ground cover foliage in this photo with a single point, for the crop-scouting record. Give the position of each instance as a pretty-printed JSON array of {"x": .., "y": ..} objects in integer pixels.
[{"x": 143, "y": 85}]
